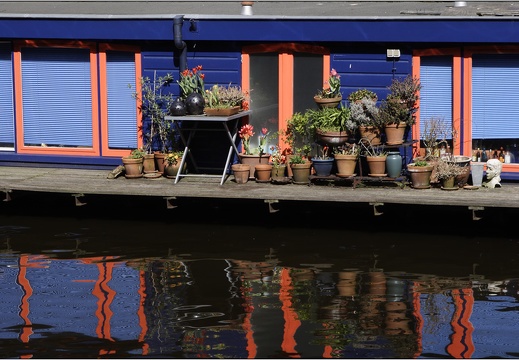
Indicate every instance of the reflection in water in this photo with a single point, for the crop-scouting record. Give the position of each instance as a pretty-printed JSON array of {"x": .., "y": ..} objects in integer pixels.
[{"x": 78, "y": 286}]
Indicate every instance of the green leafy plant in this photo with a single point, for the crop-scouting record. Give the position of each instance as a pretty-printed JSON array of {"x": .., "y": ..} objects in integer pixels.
[
  {"x": 420, "y": 163},
  {"x": 137, "y": 153},
  {"x": 300, "y": 133},
  {"x": 360, "y": 94},
  {"x": 331, "y": 119},
  {"x": 297, "y": 159}
]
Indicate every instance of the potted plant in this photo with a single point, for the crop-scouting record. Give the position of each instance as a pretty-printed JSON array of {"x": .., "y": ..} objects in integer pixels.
[
  {"x": 253, "y": 155},
  {"x": 193, "y": 88},
  {"x": 241, "y": 173},
  {"x": 225, "y": 100},
  {"x": 364, "y": 113},
  {"x": 333, "y": 126},
  {"x": 346, "y": 157},
  {"x": 172, "y": 163},
  {"x": 420, "y": 173},
  {"x": 323, "y": 163},
  {"x": 375, "y": 156},
  {"x": 300, "y": 169},
  {"x": 330, "y": 95},
  {"x": 397, "y": 111},
  {"x": 447, "y": 172},
  {"x": 278, "y": 163},
  {"x": 300, "y": 133},
  {"x": 154, "y": 104},
  {"x": 358, "y": 95},
  {"x": 133, "y": 163}
]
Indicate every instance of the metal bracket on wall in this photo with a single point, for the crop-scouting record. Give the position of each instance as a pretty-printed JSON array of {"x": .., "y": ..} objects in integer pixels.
[
  {"x": 376, "y": 211},
  {"x": 474, "y": 209},
  {"x": 77, "y": 201},
  {"x": 272, "y": 208},
  {"x": 169, "y": 202},
  {"x": 7, "y": 193}
]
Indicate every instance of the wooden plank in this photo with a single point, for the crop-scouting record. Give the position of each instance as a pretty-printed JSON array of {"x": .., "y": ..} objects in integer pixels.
[{"x": 76, "y": 181}]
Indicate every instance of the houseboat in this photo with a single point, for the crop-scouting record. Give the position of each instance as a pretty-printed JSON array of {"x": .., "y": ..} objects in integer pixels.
[{"x": 69, "y": 70}]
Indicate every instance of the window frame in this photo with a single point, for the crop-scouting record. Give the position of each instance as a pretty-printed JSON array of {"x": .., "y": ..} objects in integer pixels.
[
  {"x": 103, "y": 48},
  {"x": 460, "y": 139},
  {"x": 21, "y": 148}
]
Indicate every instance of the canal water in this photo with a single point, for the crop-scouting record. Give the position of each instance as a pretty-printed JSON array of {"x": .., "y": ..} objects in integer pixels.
[{"x": 129, "y": 278}]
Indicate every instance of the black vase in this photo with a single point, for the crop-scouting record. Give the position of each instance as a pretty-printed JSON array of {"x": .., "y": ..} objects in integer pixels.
[
  {"x": 195, "y": 103},
  {"x": 178, "y": 108}
]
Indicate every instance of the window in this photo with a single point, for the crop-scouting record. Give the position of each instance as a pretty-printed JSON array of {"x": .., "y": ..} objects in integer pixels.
[
  {"x": 119, "y": 81},
  {"x": 283, "y": 79},
  {"x": 439, "y": 71},
  {"x": 68, "y": 105},
  {"x": 57, "y": 111},
  {"x": 495, "y": 125}
]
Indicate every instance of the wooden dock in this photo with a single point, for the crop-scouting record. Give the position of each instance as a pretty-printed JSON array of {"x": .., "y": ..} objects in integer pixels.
[{"x": 80, "y": 183}]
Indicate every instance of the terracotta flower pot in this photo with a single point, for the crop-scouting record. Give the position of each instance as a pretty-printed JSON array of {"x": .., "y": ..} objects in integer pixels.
[
  {"x": 395, "y": 133},
  {"x": 278, "y": 172},
  {"x": 159, "y": 162},
  {"x": 370, "y": 133},
  {"x": 346, "y": 164},
  {"x": 132, "y": 168},
  {"x": 253, "y": 160},
  {"x": 263, "y": 172},
  {"x": 377, "y": 165},
  {"x": 301, "y": 173},
  {"x": 171, "y": 171},
  {"x": 149, "y": 163},
  {"x": 420, "y": 176},
  {"x": 328, "y": 102},
  {"x": 241, "y": 173}
]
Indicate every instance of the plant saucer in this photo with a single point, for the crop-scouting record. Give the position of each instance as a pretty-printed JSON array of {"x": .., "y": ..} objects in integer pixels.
[
  {"x": 450, "y": 188},
  {"x": 280, "y": 180},
  {"x": 378, "y": 175},
  {"x": 346, "y": 175},
  {"x": 152, "y": 175},
  {"x": 471, "y": 187}
]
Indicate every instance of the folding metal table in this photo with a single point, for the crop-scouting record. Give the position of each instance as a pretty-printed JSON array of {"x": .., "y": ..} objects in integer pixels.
[{"x": 229, "y": 124}]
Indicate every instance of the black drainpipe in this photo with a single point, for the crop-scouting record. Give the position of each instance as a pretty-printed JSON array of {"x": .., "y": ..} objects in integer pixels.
[{"x": 179, "y": 43}]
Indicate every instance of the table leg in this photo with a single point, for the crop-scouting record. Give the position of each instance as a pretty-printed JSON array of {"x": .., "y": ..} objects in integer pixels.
[{"x": 182, "y": 162}]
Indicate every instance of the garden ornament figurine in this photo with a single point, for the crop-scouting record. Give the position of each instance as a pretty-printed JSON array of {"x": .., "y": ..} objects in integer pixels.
[{"x": 494, "y": 167}]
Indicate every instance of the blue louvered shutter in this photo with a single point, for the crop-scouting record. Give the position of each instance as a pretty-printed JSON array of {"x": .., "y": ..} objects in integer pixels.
[
  {"x": 436, "y": 92},
  {"x": 495, "y": 94},
  {"x": 122, "y": 118},
  {"x": 6, "y": 98},
  {"x": 57, "y": 101}
]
